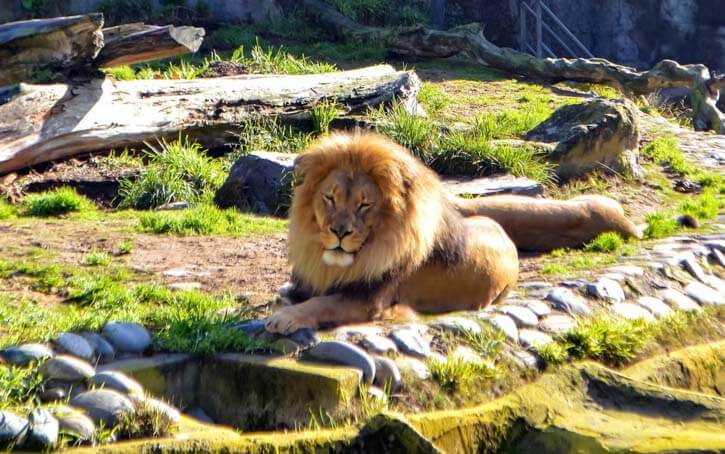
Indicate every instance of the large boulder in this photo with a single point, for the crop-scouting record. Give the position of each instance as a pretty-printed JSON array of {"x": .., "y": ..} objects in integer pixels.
[
  {"x": 598, "y": 134},
  {"x": 259, "y": 182}
]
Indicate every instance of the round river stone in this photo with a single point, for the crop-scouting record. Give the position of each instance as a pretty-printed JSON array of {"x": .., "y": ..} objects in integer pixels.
[
  {"x": 127, "y": 337},
  {"x": 344, "y": 353},
  {"x": 66, "y": 368}
]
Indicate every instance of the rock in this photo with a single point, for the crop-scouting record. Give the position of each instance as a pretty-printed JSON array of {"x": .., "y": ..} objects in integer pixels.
[
  {"x": 75, "y": 423},
  {"x": 598, "y": 134},
  {"x": 467, "y": 355},
  {"x": 656, "y": 306},
  {"x": 13, "y": 429},
  {"x": 715, "y": 282},
  {"x": 43, "y": 430},
  {"x": 522, "y": 316},
  {"x": 565, "y": 300},
  {"x": 185, "y": 286},
  {"x": 75, "y": 345},
  {"x": 103, "y": 405},
  {"x": 387, "y": 373},
  {"x": 66, "y": 368},
  {"x": 534, "y": 285},
  {"x": 257, "y": 182},
  {"x": 23, "y": 355},
  {"x": 173, "y": 206},
  {"x": 53, "y": 394},
  {"x": 344, "y": 353},
  {"x": 558, "y": 324},
  {"x": 632, "y": 312},
  {"x": 181, "y": 272},
  {"x": 627, "y": 270},
  {"x": 689, "y": 262},
  {"x": 251, "y": 327},
  {"x": 718, "y": 245},
  {"x": 411, "y": 342},
  {"x": 503, "y": 184},
  {"x": 285, "y": 346},
  {"x": 378, "y": 344},
  {"x": 377, "y": 394},
  {"x": 507, "y": 326},
  {"x": 539, "y": 308},
  {"x": 127, "y": 337},
  {"x": 110, "y": 379},
  {"x": 171, "y": 413},
  {"x": 412, "y": 367},
  {"x": 525, "y": 360},
  {"x": 105, "y": 353},
  {"x": 530, "y": 338},
  {"x": 199, "y": 414},
  {"x": 305, "y": 337},
  {"x": 457, "y": 325},
  {"x": 606, "y": 289},
  {"x": 678, "y": 300},
  {"x": 704, "y": 294},
  {"x": 718, "y": 257}
]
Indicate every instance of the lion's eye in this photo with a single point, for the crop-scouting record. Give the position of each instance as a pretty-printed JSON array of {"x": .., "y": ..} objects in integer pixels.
[{"x": 363, "y": 206}]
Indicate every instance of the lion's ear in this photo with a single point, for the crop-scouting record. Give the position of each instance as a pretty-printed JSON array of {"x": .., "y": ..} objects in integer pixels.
[{"x": 304, "y": 163}]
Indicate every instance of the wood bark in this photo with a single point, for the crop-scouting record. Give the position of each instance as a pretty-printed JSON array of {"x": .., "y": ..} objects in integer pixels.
[
  {"x": 46, "y": 122},
  {"x": 48, "y": 45},
  {"x": 146, "y": 43},
  {"x": 469, "y": 41}
]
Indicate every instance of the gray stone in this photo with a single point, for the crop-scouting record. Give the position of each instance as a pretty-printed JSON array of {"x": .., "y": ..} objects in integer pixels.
[
  {"x": 530, "y": 338},
  {"x": 376, "y": 343},
  {"x": 13, "y": 429},
  {"x": 523, "y": 317},
  {"x": 66, "y": 368},
  {"x": 411, "y": 342},
  {"x": 558, "y": 324},
  {"x": 250, "y": 327},
  {"x": 257, "y": 182},
  {"x": 105, "y": 353},
  {"x": 718, "y": 256},
  {"x": 127, "y": 337},
  {"x": 632, "y": 312},
  {"x": 689, "y": 263},
  {"x": 656, "y": 306},
  {"x": 467, "y": 355},
  {"x": 704, "y": 294},
  {"x": 169, "y": 411},
  {"x": 507, "y": 326},
  {"x": 377, "y": 394},
  {"x": 75, "y": 423},
  {"x": 525, "y": 360},
  {"x": 111, "y": 379},
  {"x": 43, "y": 430},
  {"x": 344, "y": 353},
  {"x": 535, "y": 285},
  {"x": 23, "y": 355},
  {"x": 627, "y": 270},
  {"x": 53, "y": 394},
  {"x": 485, "y": 186},
  {"x": 75, "y": 345},
  {"x": 597, "y": 134},
  {"x": 173, "y": 206},
  {"x": 103, "y": 405},
  {"x": 540, "y": 308},
  {"x": 305, "y": 337},
  {"x": 679, "y": 301},
  {"x": 387, "y": 373},
  {"x": 457, "y": 325},
  {"x": 412, "y": 367},
  {"x": 565, "y": 300},
  {"x": 718, "y": 245},
  {"x": 185, "y": 286},
  {"x": 285, "y": 346},
  {"x": 606, "y": 289},
  {"x": 715, "y": 282}
]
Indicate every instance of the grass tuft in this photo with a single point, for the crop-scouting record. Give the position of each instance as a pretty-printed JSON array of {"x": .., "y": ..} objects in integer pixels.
[
  {"x": 7, "y": 211},
  {"x": 433, "y": 98},
  {"x": 148, "y": 421},
  {"x": 611, "y": 340},
  {"x": 57, "y": 202},
  {"x": 323, "y": 113},
  {"x": 96, "y": 258},
  {"x": 605, "y": 242},
  {"x": 415, "y": 132},
  {"x": 124, "y": 248},
  {"x": 19, "y": 386},
  {"x": 705, "y": 206},
  {"x": 453, "y": 373},
  {"x": 206, "y": 220},
  {"x": 665, "y": 151},
  {"x": 659, "y": 225}
]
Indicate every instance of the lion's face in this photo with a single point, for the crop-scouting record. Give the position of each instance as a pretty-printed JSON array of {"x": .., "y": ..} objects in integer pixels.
[{"x": 345, "y": 208}]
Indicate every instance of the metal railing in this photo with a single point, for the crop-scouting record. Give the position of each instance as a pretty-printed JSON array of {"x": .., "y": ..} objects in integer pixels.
[{"x": 541, "y": 14}]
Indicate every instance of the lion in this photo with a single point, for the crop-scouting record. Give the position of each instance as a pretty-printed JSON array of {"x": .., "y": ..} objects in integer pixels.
[{"x": 374, "y": 232}]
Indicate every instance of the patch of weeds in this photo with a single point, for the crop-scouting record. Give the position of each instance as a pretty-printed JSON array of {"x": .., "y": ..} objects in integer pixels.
[
  {"x": 576, "y": 261},
  {"x": 148, "y": 421},
  {"x": 278, "y": 61},
  {"x": 659, "y": 225},
  {"x": 115, "y": 160},
  {"x": 488, "y": 342},
  {"x": 371, "y": 405},
  {"x": 124, "y": 248},
  {"x": 704, "y": 206},
  {"x": 455, "y": 374},
  {"x": 7, "y": 211},
  {"x": 56, "y": 202},
  {"x": 177, "y": 171},
  {"x": 323, "y": 113},
  {"x": 552, "y": 352},
  {"x": 96, "y": 258},
  {"x": 656, "y": 104},
  {"x": 605, "y": 242},
  {"x": 682, "y": 328},
  {"x": 418, "y": 134},
  {"x": 665, "y": 151},
  {"x": 612, "y": 340},
  {"x": 514, "y": 123},
  {"x": 19, "y": 386},
  {"x": 184, "y": 70},
  {"x": 433, "y": 98},
  {"x": 121, "y": 72},
  {"x": 268, "y": 134},
  {"x": 206, "y": 220},
  {"x": 47, "y": 278}
]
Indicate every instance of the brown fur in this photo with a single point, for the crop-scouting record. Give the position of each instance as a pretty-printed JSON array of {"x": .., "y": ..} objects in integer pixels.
[{"x": 543, "y": 224}]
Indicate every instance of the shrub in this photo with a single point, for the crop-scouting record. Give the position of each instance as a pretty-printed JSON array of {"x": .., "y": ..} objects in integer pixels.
[
  {"x": 56, "y": 202},
  {"x": 176, "y": 171}
]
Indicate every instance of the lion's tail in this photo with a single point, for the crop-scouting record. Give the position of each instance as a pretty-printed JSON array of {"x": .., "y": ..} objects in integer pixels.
[{"x": 544, "y": 224}]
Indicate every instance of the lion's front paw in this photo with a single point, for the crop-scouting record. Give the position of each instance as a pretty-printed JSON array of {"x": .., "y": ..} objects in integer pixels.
[{"x": 288, "y": 320}]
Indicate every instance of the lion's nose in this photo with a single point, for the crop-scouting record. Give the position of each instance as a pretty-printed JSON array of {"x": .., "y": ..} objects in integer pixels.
[{"x": 340, "y": 231}]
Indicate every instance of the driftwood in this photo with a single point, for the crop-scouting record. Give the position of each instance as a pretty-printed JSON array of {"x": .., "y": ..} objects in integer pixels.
[
  {"x": 48, "y": 45},
  {"x": 141, "y": 43},
  {"x": 46, "y": 122},
  {"x": 469, "y": 41}
]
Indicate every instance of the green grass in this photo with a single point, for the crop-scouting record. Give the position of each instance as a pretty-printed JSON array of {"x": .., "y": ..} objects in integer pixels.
[
  {"x": 268, "y": 134},
  {"x": 269, "y": 60},
  {"x": 605, "y": 242},
  {"x": 455, "y": 374},
  {"x": 19, "y": 386},
  {"x": 96, "y": 258},
  {"x": 121, "y": 72},
  {"x": 124, "y": 248},
  {"x": 566, "y": 262},
  {"x": 433, "y": 98},
  {"x": 705, "y": 206},
  {"x": 147, "y": 421},
  {"x": 488, "y": 343},
  {"x": 176, "y": 171},
  {"x": 507, "y": 124},
  {"x": 56, "y": 202},
  {"x": 7, "y": 211},
  {"x": 322, "y": 114},
  {"x": 660, "y": 224},
  {"x": 417, "y": 133},
  {"x": 208, "y": 220},
  {"x": 666, "y": 152}
]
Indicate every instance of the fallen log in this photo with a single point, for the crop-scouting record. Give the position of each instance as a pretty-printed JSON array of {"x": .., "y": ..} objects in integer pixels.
[
  {"x": 46, "y": 122},
  {"x": 48, "y": 45},
  {"x": 469, "y": 41},
  {"x": 141, "y": 43}
]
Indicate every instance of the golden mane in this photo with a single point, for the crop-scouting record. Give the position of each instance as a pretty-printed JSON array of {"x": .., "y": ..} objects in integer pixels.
[{"x": 409, "y": 221}]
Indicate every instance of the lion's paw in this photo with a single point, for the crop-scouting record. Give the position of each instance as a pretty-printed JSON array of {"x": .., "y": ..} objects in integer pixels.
[{"x": 288, "y": 320}]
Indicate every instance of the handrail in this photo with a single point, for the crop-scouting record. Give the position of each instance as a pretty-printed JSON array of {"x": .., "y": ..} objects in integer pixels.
[{"x": 542, "y": 26}]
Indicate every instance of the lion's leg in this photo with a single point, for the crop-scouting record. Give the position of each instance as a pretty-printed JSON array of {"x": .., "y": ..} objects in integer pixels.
[{"x": 319, "y": 311}]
